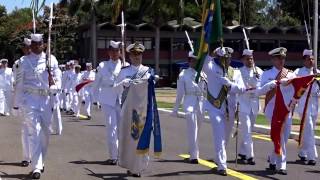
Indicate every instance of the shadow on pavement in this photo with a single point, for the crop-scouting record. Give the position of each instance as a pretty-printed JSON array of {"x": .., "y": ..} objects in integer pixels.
[
  {"x": 171, "y": 160},
  {"x": 110, "y": 176},
  {"x": 14, "y": 176},
  {"x": 299, "y": 162},
  {"x": 313, "y": 171},
  {"x": 261, "y": 173},
  {"x": 10, "y": 163},
  {"x": 96, "y": 125},
  {"x": 88, "y": 162},
  {"x": 183, "y": 173}
]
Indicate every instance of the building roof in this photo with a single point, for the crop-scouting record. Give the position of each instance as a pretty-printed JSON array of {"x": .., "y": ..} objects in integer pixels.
[{"x": 192, "y": 25}]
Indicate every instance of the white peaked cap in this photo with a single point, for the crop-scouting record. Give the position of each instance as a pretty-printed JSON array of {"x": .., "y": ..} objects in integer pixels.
[
  {"x": 280, "y": 51},
  {"x": 3, "y": 60},
  {"x": 27, "y": 41},
  {"x": 62, "y": 65},
  {"x": 191, "y": 55},
  {"x": 88, "y": 64},
  {"x": 135, "y": 47},
  {"x": 307, "y": 52},
  {"x": 223, "y": 51},
  {"x": 115, "y": 44},
  {"x": 37, "y": 37},
  {"x": 247, "y": 52},
  {"x": 71, "y": 62}
]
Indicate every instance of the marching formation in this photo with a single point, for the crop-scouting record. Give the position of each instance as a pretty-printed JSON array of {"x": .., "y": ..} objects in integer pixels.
[
  {"x": 226, "y": 87},
  {"x": 37, "y": 90}
]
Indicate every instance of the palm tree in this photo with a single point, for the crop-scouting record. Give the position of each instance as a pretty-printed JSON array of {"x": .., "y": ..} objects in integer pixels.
[{"x": 37, "y": 5}]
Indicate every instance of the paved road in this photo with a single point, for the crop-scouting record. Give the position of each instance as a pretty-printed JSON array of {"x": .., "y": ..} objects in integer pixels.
[{"x": 79, "y": 154}]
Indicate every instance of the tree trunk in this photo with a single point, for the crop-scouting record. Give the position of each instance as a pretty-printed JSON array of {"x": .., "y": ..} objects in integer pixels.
[
  {"x": 157, "y": 50},
  {"x": 93, "y": 39}
]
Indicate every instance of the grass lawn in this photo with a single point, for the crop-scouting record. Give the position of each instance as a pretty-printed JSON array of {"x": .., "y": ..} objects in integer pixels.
[{"x": 261, "y": 119}]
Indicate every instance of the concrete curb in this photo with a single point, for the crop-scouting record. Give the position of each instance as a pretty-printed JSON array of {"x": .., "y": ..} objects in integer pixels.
[{"x": 257, "y": 128}]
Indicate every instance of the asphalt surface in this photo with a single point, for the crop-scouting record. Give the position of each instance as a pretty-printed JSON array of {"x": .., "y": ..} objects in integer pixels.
[{"x": 79, "y": 153}]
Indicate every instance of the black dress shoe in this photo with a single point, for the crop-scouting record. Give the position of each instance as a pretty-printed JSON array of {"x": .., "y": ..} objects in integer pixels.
[
  {"x": 194, "y": 161},
  {"x": 282, "y": 172},
  {"x": 25, "y": 163},
  {"x": 191, "y": 161},
  {"x": 111, "y": 162},
  {"x": 251, "y": 161},
  {"x": 42, "y": 170},
  {"x": 129, "y": 173},
  {"x": 302, "y": 158},
  {"x": 242, "y": 157},
  {"x": 222, "y": 172},
  {"x": 35, "y": 175},
  {"x": 272, "y": 167},
  {"x": 88, "y": 117},
  {"x": 312, "y": 162}
]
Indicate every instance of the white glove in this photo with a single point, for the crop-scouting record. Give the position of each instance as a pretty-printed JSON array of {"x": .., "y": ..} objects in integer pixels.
[
  {"x": 284, "y": 81},
  {"x": 272, "y": 84},
  {"x": 126, "y": 82},
  {"x": 174, "y": 114},
  {"x": 54, "y": 89}
]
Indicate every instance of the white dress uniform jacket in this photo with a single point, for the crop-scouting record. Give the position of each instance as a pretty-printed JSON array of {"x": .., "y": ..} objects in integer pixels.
[
  {"x": 216, "y": 80},
  {"x": 36, "y": 103},
  {"x": 308, "y": 148},
  {"x": 267, "y": 76}
]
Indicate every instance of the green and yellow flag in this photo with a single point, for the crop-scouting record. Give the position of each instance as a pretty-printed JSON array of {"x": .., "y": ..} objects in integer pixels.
[{"x": 211, "y": 30}]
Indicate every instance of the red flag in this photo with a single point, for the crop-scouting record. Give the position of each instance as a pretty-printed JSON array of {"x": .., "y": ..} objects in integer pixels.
[
  {"x": 81, "y": 85},
  {"x": 281, "y": 111}
]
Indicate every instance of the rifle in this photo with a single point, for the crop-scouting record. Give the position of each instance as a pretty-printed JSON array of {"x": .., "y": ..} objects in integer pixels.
[
  {"x": 123, "y": 39},
  {"x": 48, "y": 55},
  {"x": 255, "y": 71},
  {"x": 189, "y": 41},
  {"x": 236, "y": 132}
]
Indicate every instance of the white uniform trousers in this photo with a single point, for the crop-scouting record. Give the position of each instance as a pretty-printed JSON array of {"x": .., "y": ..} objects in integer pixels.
[
  {"x": 38, "y": 123},
  {"x": 193, "y": 125},
  {"x": 62, "y": 100},
  {"x": 56, "y": 120},
  {"x": 69, "y": 98},
  {"x": 75, "y": 106},
  {"x": 88, "y": 102},
  {"x": 229, "y": 124},
  {"x": 308, "y": 148},
  {"x": 8, "y": 101},
  {"x": 281, "y": 160},
  {"x": 246, "y": 125},
  {"x": 25, "y": 139},
  {"x": 2, "y": 101},
  {"x": 218, "y": 123},
  {"x": 112, "y": 115}
]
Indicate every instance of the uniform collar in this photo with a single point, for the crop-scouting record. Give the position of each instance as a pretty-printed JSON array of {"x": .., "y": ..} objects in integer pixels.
[
  {"x": 136, "y": 67},
  {"x": 41, "y": 55},
  {"x": 114, "y": 62},
  {"x": 275, "y": 69}
]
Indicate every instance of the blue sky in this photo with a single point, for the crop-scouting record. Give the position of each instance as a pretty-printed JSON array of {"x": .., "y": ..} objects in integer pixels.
[{"x": 11, "y": 4}]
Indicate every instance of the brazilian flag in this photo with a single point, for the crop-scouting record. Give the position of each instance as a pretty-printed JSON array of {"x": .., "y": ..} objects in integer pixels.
[{"x": 211, "y": 30}]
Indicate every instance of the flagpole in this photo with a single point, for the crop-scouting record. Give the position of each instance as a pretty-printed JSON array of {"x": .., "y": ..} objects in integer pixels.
[{"x": 315, "y": 31}]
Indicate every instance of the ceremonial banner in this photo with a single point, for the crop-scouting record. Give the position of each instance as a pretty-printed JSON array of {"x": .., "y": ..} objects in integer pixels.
[
  {"x": 286, "y": 97},
  {"x": 81, "y": 85},
  {"x": 139, "y": 117},
  {"x": 211, "y": 30}
]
